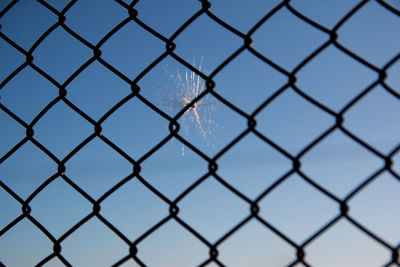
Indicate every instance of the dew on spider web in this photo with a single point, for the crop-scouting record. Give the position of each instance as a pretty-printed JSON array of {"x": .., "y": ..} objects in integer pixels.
[{"x": 197, "y": 119}]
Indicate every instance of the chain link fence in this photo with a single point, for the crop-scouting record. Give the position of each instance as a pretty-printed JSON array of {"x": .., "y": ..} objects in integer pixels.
[{"x": 173, "y": 205}]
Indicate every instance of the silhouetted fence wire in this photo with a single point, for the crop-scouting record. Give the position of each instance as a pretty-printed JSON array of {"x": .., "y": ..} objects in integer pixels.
[{"x": 174, "y": 131}]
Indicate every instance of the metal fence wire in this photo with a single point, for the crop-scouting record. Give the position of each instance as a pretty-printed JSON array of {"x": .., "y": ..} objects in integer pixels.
[{"x": 300, "y": 258}]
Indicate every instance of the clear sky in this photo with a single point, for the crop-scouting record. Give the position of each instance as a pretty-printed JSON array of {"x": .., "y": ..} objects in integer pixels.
[{"x": 296, "y": 208}]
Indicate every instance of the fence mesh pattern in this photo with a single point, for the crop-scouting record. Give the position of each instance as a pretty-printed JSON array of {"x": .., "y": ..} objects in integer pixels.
[{"x": 204, "y": 8}]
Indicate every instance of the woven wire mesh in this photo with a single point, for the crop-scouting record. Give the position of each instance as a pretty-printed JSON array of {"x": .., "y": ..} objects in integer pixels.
[{"x": 204, "y": 8}]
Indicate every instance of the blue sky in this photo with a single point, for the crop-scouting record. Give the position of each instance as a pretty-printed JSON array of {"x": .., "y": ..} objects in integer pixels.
[{"x": 338, "y": 163}]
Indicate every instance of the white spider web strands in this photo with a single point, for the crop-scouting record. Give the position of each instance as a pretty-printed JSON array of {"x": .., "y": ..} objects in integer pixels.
[{"x": 197, "y": 121}]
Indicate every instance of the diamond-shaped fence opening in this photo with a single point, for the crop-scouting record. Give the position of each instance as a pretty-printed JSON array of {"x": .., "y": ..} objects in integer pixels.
[
  {"x": 89, "y": 28},
  {"x": 96, "y": 168},
  {"x": 60, "y": 55},
  {"x": 24, "y": 178},
  {"x": 382, "y": 108},
  {"x": 157, "y": 250},
  {"x": 27, "y": 94},
  {"x": 206, "y": 38},
  {"x": 37, "y": 19},
  {"x": 11, "y": 59},
  {"x": 336, "y": 84},
  {"x": 155, "y": 13},
  {"x": 65, "y": 210},
  {"x": 278, "y": 39},
  {"x": 96, "y": 89},
  {"x": 265, "y": 247},
  {"x": 134, "y": 209},
  {"x": 167, "y": 165},
  {"x": 356, "y": 33},
  {"x": 30, "y": 241},
  {"x": 132, "y": 56},
  {"x": 344, "y": 164},
  {"x": 292, "y": 122},
  {"x": 264, "y": 162},
  {"x": 376, "y": 196},
  {"x": 300, "y": 215},
  {"x": 199, "y": 133},
  {"x": 259, "y": 83},
  {"x": 326, "y": 13},
  {"x": 94, "y": 237},
  {"x": 61, "y": 129},
  {"x": 350, "y": 247},
  {"x": 249, "y": 14}
]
